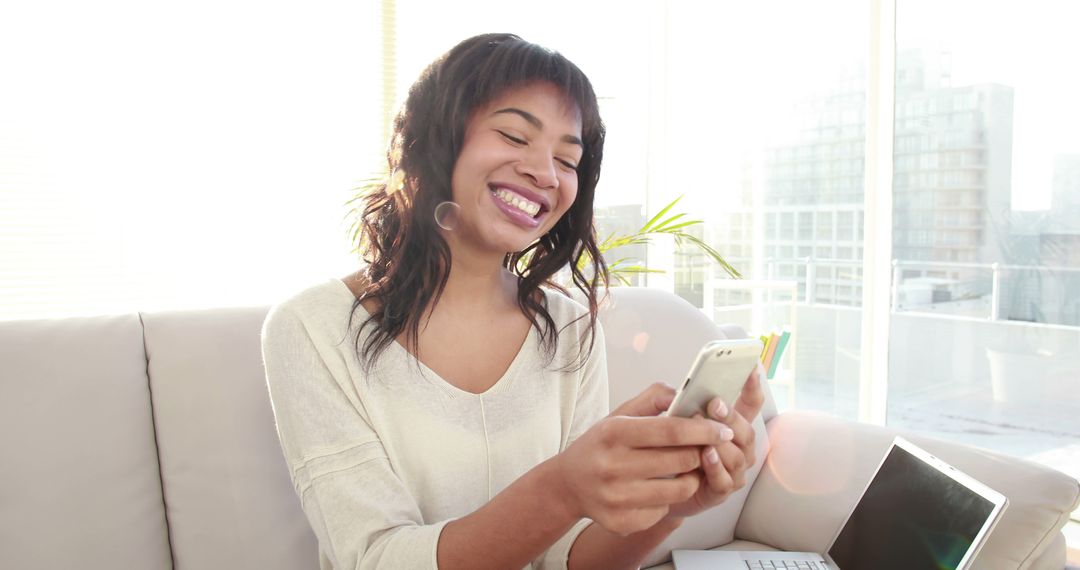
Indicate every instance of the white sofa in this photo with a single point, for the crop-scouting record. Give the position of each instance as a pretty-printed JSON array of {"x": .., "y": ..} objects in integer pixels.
[{"x": 147, "y": 441}]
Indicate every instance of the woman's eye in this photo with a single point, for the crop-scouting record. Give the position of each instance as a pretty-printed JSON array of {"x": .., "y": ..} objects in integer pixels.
[
  {"x": 511, "y": 138},
  {"x": 566, "y": 164}
]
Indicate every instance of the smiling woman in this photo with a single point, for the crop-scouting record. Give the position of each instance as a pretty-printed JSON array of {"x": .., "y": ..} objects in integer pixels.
[{"x": 464, "y": 425}]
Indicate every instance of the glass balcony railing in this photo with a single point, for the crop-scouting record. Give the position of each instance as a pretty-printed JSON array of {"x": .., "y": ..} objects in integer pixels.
[{"x": 969, "y": 361}]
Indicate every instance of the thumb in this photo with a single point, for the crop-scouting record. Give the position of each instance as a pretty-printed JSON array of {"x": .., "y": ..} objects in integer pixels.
[
  {"x": 752, "y": 397},
  {"x": 651, "y": 402}
]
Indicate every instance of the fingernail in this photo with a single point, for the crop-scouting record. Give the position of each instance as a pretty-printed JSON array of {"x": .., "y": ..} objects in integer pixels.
[
  {"x": 712, "y": 456},
  {"x": 725, "y": 432},
  {"x": 719, "y": 410}
]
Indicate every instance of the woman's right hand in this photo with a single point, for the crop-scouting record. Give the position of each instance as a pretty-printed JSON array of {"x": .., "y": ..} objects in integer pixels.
[{"x": 627, "y": 469}]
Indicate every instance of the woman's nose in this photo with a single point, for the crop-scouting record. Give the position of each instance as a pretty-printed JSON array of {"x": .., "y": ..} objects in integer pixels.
[{"x": 540, "y": 168}]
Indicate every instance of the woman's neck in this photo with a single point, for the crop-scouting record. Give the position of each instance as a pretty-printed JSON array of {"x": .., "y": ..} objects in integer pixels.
[
  {"x": 475, "y": 288},
  {"x": 478, "y": 282}
]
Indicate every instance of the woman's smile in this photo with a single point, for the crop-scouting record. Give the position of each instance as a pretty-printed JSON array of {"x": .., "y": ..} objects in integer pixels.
[{"x": 519, "y": 204}]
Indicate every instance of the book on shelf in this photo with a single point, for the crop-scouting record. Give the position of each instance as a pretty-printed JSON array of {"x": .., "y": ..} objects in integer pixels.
[{"x": 774, "y": 345}]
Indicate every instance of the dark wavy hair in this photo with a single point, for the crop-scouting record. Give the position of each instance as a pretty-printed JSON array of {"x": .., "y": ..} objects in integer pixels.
[{"x": 407, "y": 259}]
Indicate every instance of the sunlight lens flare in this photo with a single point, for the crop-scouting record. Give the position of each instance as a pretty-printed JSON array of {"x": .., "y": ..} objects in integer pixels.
[{"x": 800, "y": 468}]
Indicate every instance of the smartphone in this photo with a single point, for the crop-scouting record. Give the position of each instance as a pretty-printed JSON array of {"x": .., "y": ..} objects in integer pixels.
[{"x": 720, "y": 370}]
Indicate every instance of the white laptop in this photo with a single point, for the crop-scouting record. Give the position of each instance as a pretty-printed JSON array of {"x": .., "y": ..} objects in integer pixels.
[{"x": 916, "y": 512}]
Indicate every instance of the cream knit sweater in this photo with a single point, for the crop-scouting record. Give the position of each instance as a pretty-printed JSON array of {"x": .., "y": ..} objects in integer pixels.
[{"x": 381, "y": 462}]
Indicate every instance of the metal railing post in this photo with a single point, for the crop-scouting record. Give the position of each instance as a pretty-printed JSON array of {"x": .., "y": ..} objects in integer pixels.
[
  {"x": 770, "y": 276},
  {"x": 896, "y": 273},
  {"x": 995, "y": 291},
  {"x": 709, "y": 301}
]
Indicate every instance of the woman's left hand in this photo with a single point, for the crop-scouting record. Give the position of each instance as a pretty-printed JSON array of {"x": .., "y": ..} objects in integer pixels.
[{"x": 727, "y": 473}]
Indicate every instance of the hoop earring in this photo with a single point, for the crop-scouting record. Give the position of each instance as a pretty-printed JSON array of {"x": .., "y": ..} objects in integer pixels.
[{"x": 446, "y": 215}]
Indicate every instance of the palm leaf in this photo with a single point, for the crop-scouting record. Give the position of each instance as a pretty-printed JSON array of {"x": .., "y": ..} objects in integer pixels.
[
  {"x": 708, "y": 249},
  {"x": 666, "y": 223},
  {"x": 648, "y": 225},
  {"x": 674, "y": 226},
  {"x": 636, "y": 269},
  {"x": 669, "y": 229}
]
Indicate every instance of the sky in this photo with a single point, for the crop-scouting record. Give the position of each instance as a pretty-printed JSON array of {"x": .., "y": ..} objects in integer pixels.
[{"x": 1030, "y": 46}]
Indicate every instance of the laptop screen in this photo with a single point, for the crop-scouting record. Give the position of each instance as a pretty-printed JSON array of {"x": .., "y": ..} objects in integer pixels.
[{"x": 911, "y": 516}]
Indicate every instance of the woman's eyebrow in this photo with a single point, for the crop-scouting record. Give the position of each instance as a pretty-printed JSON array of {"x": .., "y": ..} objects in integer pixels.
[{"x": 536, "y": 122}]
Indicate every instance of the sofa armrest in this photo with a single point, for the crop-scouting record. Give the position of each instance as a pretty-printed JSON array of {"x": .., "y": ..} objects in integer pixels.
[{"x": 819, "y": 465}]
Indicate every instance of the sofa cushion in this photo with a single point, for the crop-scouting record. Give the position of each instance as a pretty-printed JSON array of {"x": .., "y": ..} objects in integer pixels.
[
  {"x": 228, "y": 497},
  {"x": 80, "y": 470},
  {"x": 653, "y": 336},
  {"x": 819, "y": 466}
]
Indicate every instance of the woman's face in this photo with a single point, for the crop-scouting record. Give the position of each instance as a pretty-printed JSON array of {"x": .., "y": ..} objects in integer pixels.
[{"x": 516, "y": 174}]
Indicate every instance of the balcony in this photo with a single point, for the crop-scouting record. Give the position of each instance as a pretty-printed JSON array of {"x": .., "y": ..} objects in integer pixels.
[{"x": 960, "y": 367}]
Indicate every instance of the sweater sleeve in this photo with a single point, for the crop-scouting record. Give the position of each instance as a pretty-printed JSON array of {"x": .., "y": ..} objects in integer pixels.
[
  {"x": 360, "y": 510},
  {"x": 591, "y": 405}
]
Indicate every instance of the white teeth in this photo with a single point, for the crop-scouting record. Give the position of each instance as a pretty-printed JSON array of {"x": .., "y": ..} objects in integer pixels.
[{"x": 526, "y": 206}]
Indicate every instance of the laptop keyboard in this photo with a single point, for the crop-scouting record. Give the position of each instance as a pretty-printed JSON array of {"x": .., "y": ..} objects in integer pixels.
[{"x": 785, "y": 565}]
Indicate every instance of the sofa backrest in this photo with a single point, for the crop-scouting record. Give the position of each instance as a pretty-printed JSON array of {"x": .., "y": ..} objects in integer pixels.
[
  {"x": 79, "y": 483},
  {"x": 228, "y": 498},
  {"x": 90, "y": 408}
]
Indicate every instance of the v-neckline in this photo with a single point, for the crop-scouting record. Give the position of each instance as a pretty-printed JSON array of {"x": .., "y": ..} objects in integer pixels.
[{"x": 505, "y": 379}]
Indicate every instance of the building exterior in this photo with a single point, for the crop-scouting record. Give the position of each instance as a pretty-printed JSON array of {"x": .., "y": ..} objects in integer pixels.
[
  {"x": 1059, "y": 246},
  {"x": 952, "y": 171},
  {"x": 1065, "y": 195},
  {"x": 959, "y": 245},
  {"x": 813, "y": 196}
]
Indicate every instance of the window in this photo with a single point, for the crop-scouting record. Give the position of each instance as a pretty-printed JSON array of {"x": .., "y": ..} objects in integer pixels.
[
  {"x": 181, "y": 157},
  {"x": 787, "y": 225},
  {"x": 824, "y": 226},
  {"x": 1010, "y": 136},
  {"x": 806, "y": 225},
  {"x": 845, "y": 225}
]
